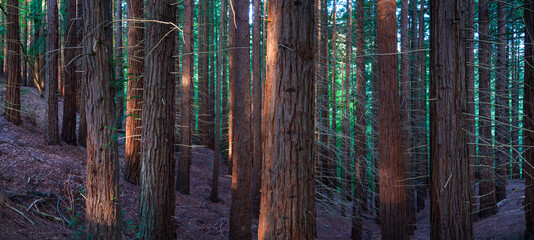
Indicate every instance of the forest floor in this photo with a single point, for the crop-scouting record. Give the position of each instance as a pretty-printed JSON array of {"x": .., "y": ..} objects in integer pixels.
[{"x": 42, "y": 192}]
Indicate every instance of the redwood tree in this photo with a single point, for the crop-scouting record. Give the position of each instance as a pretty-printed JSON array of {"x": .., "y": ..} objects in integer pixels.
[
  {"x": 134, "y": 106},
  {"x": 52, "y": 74},
  {"x": 103, "y": 195},
  {"x": 184, "y": 163},
  {"x": 488, "y": 204},
  {"x": 157, "y": 195},
  {"x": 450, "y": 180},
  {"x": 392, "y": 165},
  {"x": 68, "y": 132},
  {"x": 287, "y": 209},
  {"x": 256, "y": 110},
  {"x": 13, "y": 63},
  {"x": 529, "y": 115},
  {"x": 240, "y": 209}
]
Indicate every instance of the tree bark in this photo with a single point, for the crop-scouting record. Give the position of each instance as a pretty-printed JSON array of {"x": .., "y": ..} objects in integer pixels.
[
  {"x": 392, "y": 163},
  {"x": 449, "y": 164},
  {"x": 103, "y": 195},
  {"x": 488, "y": 204},
  {"x": 288, "y": 201},
  {"x": 332, "y": 145},
  {"x": 529, "y": 114},
  {"x": 82, "y": 126},
  {"x": 215, "y": 179},
  {"x": 134, "y": 105},
  {"x": 231, "y": 77},
  {"x": 184, "y": 163},
  {"x": 119, "y": 84},
  {"x": 157, "y": 195},
  {"x": 68, "y": 132},
  {"x": 502, "y": 152},
  {"x": 240, "y": 209},
  {"x": 256, "y": 110},
  {"x": 360, "y": 191},
  {"x": 52, "y": 74},
  {"x": 12, "y": 112}
]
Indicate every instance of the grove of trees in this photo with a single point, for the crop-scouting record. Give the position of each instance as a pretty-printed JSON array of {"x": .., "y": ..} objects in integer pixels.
[{"x": 372, "y": 111}]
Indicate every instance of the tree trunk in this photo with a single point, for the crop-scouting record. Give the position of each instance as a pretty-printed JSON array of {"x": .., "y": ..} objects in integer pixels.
[
  {"x": 470, "y": 80},
  {"x": 240, "y": 209},
  {"x": 157, "y": 195},
  {"x": 203, "y": 75},
  {"x": 103, "y": 195},
  {"x": 488, "y": 204},
  {"x": 449, "y": 163},
  {"x": 287, "y": 208},
  {"x": 322, "y": 101},
  {"x": 231, "y": 77},
  {"x": 392, "y": 163},
  {"x": 529, "y": 114},
  {"x": 119, "y": 71},
  {"x": 360, "y": 191},
  {"x": 134, "y": 105},
  {"x": 405, "y": 114},
  {"x": 347, "y": 175},
  {"x": 82, "y": 126},
  {"x": 52, "y": 129},
  {"x": 12, "y": 112},
  {"x": 420, "y": 135},
  {"x": 215, "y": 179},
  {"x": 332, "y": 171},
  {"x": 256, "y": 110},
  {"x": 68, "y": 132},
  {"x": 502, "y": 152}
]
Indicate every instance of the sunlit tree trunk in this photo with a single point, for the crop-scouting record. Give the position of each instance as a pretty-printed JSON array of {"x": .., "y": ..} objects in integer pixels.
[
  {"x": 449, "y": 180},
  {"x": 157, "y": 194},
  {"x": 12, "y": 112},
  {"x": 103, "y": 195},
  {"x": 240, "y": 208},
  {"x": 392, "y": 164},
  {"x": 288, "y": 201},
  {"x": 184, "y": 163},
  {"x": 52, "y": 74},
  {"x": 134, "y": 106}
]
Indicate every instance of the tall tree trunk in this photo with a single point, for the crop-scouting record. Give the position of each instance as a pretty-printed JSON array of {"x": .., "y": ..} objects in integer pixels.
[
  {"x": 68, "y": 132},
  {"x": 52, "y": 74},
  {"x": 449, "y": 164},
  {"x": 360, "y": 191},
  {"x": 405, "y": 114},
  {"x": 502, "y": 107},
  {"x": 256, "y": 110},
  {"x": 211, "y": 79},
  {"x": 287, "y": 208},
  {"x": 470, "y": 80},
  {"x": 332, "y": 171},
  {"x": 216, "y": 169},
  {"x": 82, "y": 126},
  {"x": 231, "y": 77},
  {"x": 24, "y": 53},
  {"x": 157, "y": 195},
  {"x": 184, "y": 163},
  {"x": 392, "y": 164},
  {"x": 346, "y": 166},
  {"x": 488, "y": 204},
  {"x": 12, "y": 112},
  {"x": 134, "y": 105},
  {"x": 529, "y": 115},
  {"x": 119, "y": 69},
  {"x": 203, "y": 81},
  {"x": 240, "y": 209},
  {"x": 103, "y": 195}
]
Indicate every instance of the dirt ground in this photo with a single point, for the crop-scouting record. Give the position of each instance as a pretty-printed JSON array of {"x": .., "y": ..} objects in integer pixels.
[{"x": 44, "y": 188}]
